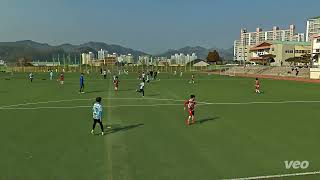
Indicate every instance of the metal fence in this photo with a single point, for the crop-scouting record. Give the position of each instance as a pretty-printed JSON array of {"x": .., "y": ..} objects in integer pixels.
[{"x": 111, "y": 68}]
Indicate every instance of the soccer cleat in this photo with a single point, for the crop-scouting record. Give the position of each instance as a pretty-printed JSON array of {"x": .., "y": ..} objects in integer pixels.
[
  {"x": 92, "y": 131},
  {"x": 102, "y": 133}
]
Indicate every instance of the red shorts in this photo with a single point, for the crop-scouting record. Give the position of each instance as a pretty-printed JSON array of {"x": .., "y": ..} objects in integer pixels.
[{"x": 191, "y": 112}]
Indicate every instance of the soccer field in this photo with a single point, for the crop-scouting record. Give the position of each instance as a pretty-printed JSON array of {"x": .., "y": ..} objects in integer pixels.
[{"x": 45, "y": 128}]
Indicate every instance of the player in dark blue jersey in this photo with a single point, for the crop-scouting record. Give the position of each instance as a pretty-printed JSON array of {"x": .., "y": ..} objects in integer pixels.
[{"x": 81, "y": 84}]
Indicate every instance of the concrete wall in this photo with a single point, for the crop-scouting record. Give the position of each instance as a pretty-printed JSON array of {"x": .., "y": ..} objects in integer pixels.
[{"x": 314, "y": 73}]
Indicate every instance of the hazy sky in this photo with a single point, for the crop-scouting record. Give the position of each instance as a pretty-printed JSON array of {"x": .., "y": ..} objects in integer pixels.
[{"x": 150, "y": 25}]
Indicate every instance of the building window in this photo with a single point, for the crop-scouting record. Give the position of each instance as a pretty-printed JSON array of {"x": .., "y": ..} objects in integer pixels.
[
  {"x": 317, "y": 50},
  {"x": 318, "y": 40}
]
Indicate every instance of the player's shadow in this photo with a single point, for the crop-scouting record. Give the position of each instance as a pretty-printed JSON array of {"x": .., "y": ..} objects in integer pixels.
[
  {"x": 123, "y": 128},
  {"x": 205, "y": 120}
]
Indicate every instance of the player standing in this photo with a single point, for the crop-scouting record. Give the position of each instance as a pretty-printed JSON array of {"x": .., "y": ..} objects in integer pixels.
[
  {"x": 97, "y": 115},
  {"x": 143, "y": 77},
  {"x": 257, "y": 85},
  {"x": 181, "y": 73},
  {"x": 62, "y": 78},
  {"x": 192, "y": 79},
  {"x": 31, "y": 77},
  {"x": 151, "y": 74},
  {"x": 116, "y": 83},
  {"x": 155, "y": 74},
  {"x": 190, "y": 104},
  {"x": 51, "y": 74},
  {"x": 104, "y": 73},
  {"x": 81, "y": 83},
  {"x": 148, "y": 80}
]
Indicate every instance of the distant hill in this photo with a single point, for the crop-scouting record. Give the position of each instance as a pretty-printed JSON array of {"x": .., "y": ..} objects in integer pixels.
[
  {"x": 11, "y": 51},
  {"x": 31, "y": 50},
  {"x": 201, "y": 52}
]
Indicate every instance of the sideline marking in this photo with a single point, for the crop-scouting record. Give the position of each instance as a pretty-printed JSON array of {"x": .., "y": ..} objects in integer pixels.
[
  {"x": 16, "y": 106},
  {"x": 200, "y": 103},
  {"x": 71, "y": 100},
  {"x": 75, "y": 107},
  {"x": 276, "y": 176}
]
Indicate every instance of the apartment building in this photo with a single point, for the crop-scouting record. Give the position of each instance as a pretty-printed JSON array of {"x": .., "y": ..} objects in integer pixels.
[
  {"x": 250, "y": 39},
  {"x": 313, "y": 28}
]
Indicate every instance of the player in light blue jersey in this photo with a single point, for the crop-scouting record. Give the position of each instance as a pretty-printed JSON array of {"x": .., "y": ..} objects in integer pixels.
[
  {"x": 97, "y": 115},
  {"x": 51, "y": 75}
]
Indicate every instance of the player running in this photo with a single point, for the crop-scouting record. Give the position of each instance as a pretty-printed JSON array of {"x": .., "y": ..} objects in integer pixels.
[
  {"x": 81, "y": 84},
  {"x": 257, "y": 85},
  {"x": 31, "y": 77},
  {"x": 116, "y": 83},
  {"x": 141, "y": 88},
  {"x": 97, "y": 115},
  {"x": 190, "y": 104}
]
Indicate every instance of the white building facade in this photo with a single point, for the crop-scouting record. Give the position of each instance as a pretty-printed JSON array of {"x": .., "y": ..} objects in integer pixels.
[
  {"x": 87, "y": 57},
  {"x": 313, "y": 28},
  {"x": 250, "y": 39},
  {"x": 181, "y": 59},
  {"x": 125, "y": 58},
  {"x": 102, "y": 54},
  {"x": 315, "y": 45}
]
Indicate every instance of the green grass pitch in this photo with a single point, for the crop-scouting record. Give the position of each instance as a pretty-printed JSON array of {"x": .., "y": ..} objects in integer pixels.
[{"x": 149, "y": 139}]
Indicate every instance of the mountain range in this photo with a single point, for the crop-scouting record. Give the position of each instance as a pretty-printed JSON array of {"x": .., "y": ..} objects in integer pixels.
[{"x": 31, "y": 50}]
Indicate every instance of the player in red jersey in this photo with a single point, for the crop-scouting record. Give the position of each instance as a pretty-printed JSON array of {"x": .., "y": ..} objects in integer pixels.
[
  {"x": 116, "y": 83},
  {"x": 62, "y": 78},
  {"x": 190, "y": 104},
  {"x": 257, "y": 85}
]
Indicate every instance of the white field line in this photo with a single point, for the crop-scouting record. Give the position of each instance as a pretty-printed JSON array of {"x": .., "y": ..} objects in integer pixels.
[
  {"x": 276, "y": 176},
  {"x": 15, "y": 107},
  {"x": 256, "y": 102},
  {"x": 92, "y": 99},
  {"x": 75, "y": 107}
]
